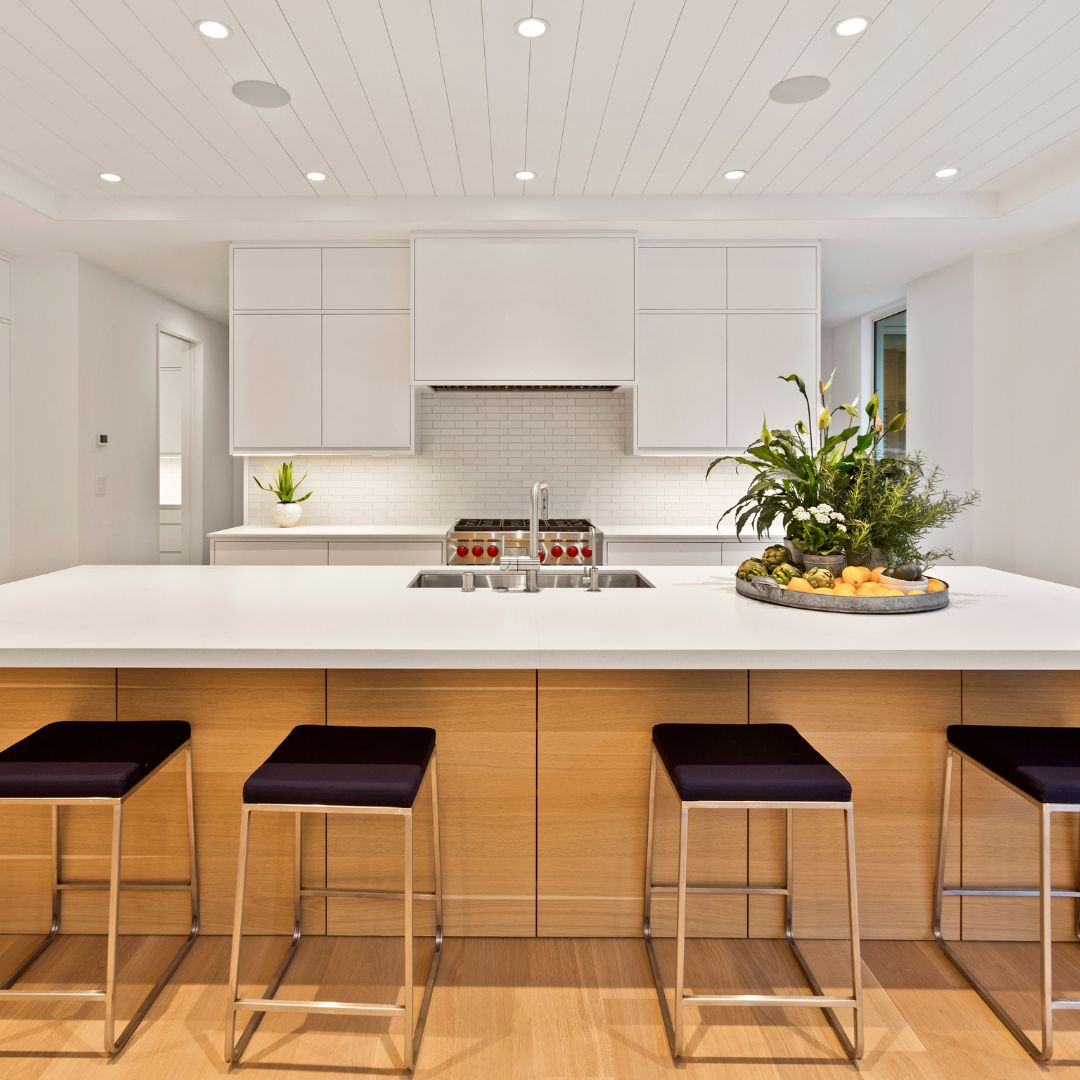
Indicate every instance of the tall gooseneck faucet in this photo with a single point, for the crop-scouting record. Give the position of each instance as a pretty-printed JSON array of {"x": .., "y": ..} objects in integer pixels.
[{"x": 538, "y": 509}]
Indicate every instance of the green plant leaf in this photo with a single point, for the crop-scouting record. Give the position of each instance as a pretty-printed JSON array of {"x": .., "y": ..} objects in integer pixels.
[{"x": 897, "y": 423}]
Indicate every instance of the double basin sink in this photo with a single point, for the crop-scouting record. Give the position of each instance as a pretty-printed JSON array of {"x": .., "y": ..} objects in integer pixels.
[{"x": 499, "y": 580}]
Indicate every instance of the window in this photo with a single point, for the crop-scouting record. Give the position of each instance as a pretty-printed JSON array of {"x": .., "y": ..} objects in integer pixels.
[{"x": 890, "y": 373}]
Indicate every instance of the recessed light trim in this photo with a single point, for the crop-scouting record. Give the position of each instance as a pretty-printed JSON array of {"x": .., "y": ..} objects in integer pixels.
[
  {"x": 851, "y": 26},
  {"x": 531, "y": 27},
  {"x": 260, "y": 94},
  {"x": 110, "y": 177},
  {"x": 525, "y": 174},
  {"x": 944, "y": 174},
  {"x": 734, "y": 174},
  {"x": 211, "y": 28},
  {"x": 800, "y": 89},
  {"x": 315, "y": 176}
]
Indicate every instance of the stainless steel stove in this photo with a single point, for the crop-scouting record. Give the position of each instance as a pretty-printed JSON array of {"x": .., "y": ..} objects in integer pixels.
[{"x": 563, "y": 541}]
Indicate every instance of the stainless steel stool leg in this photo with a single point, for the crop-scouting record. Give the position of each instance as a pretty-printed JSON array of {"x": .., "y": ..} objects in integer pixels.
[
  {"x": 112, "y": 950},
  {"x": 680, "y": 933},
  {"x": 407, "y": 1047},
  {"x": 1046, "y": 938},
  {"x": 238, "y": 929}
]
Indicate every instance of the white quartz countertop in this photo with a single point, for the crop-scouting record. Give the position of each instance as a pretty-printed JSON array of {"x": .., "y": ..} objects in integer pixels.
[
  {"x": 332, "y": 532},
  {"x": 364, "y": 616}
]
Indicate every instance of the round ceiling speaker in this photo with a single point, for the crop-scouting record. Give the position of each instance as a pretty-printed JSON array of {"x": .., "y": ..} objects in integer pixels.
[
  {"x": 263, "y": 95},
  {"x": 799, "y": 90}
]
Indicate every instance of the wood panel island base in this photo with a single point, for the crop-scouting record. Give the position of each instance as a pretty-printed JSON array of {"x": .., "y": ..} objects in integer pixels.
[{"x": 544, "y": 788}]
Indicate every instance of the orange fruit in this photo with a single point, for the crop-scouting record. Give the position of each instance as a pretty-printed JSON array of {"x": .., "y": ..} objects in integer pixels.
[
  {"x": 829, "y": 591},
  {"x": 799, "y": 584},
  {"x": 875, "y": 574},
  {"x": 845, "y": 588},
  {"x": 867, "y": 589},
  {"x": 855, "y": 575},
  {"x": 891, "y": 592},
  {"x": 936, "y": 585}
]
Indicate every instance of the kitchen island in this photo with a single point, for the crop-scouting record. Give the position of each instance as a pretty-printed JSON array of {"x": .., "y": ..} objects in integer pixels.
[{"x": 543, "y": 706}]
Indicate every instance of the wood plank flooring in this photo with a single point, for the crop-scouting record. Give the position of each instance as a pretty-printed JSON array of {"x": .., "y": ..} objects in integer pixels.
[{"x": 541, "y": 1009}]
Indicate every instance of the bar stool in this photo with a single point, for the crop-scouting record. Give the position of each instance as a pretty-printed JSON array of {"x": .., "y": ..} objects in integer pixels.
[
  {"x": 340, "y": 770},
  {"x": 98, "y": 763},
  {"x": 1042, "y": 766},
  {"x": 748, "y": 767}
]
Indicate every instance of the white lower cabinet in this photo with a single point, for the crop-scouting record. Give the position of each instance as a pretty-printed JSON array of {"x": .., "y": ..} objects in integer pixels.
[
  {"x": 660, "y": 552},
  {"x": 269, "y": 552},
  {"x": 387, "y": 553}
]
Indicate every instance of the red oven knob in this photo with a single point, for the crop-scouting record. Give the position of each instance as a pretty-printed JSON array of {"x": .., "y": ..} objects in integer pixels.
[
  {"x": 462, "y": 551},
  {"x": 478, "y": 551},
  {"x": 572, "y": 551},
  {"x": 492, "y": 550},
  {"x": 540, "y": 555},
  {"x": 556, "y": 552},
  {"x": 587, "y": 552}
]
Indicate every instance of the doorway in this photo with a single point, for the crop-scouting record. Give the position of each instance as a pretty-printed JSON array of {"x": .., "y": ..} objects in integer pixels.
[{"x": 179, "y": 516}]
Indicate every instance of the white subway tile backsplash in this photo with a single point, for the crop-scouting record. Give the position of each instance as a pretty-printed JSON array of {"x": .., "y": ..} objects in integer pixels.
[{"x": 480, "y": 453}]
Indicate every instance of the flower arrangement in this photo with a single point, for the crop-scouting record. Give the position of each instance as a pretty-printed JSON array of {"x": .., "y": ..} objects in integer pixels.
[{"x": 818, "y": 530}]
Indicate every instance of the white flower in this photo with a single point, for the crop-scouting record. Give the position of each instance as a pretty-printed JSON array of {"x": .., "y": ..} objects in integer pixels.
[
  {"x": 836, "y": 516},
  {"x": 801, "y": 515},
  {"x": 821, "y": 517},
  {"x": 841, "y": 528},
  {"x": 823, "y": 508}
]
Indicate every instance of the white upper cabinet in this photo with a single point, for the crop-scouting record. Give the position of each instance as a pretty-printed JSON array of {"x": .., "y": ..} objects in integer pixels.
[
  {"x": 276, "y": 382},
  {"x": 682, "y": 278},
  {"x": 365, "y": 278},
  {"x": 277, "y": 279},
  {"x": 523, "y": 309},
  {"x": 367, "y": 395},
  {"x": 681, "y": 397},
  {"x": 772, "y": 278},
  {"x": 760, "y": 349}
]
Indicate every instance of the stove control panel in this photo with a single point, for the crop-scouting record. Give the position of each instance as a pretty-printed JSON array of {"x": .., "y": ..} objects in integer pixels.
[{"x": 486, "y": 547}]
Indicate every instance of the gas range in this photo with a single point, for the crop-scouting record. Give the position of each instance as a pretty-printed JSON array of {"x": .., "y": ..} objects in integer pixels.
[{"x": 563, "y": 541}]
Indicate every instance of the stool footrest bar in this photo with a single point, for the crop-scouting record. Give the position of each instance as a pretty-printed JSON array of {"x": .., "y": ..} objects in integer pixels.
[
  {"x": 365, "y": 894},
  {"x": 344, "y": 1008},
  {"x": 1007, "y": 890},
  {"x": 125, "y": 886},
  {"x": 52, "y": 995},
  {"x": 1065, "y": 1003},
  {"x": 784, "y": 1000},
  {"x": 725, "y": 890}
]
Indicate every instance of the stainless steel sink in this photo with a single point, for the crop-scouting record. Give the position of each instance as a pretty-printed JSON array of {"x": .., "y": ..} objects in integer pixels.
[{"x": 515, "y": 581}]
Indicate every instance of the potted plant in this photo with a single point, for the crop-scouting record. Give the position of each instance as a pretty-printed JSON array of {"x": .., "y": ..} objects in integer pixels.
[
  {"x": 287, "y": 511},
  {"x": 799, "y": 480},
  {"x": 891, "y": 505}
]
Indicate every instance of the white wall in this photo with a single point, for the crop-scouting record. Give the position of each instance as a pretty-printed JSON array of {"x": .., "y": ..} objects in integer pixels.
[
  {"x": 845, "y": 359},
  {"x": 85, "y": 362}
]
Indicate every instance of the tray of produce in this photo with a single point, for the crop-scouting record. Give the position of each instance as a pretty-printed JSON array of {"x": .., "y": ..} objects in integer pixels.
[{"x": 857, "y": 590}]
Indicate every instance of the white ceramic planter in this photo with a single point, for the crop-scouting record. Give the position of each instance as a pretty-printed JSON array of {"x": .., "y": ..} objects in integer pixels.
[{"x": 286, "y": 515}]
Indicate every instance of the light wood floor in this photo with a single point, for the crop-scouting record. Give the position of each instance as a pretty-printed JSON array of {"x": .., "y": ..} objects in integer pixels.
[{"x": 541, "y": 1008}]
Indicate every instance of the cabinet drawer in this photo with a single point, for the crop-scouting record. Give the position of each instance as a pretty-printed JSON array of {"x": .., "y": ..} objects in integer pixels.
[
  {"x": 682, "y": 278},
  {"x": 663, "y": 553},
  {"x": 387, "y": 553},
  {"x": 772, "y": 277},
  {"x": 270, "y": 553},
  {"x": 366, "y": 278},
  {"x": 283, "y": 279}
]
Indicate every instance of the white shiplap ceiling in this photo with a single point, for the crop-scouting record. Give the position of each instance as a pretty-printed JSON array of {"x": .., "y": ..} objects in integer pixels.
[{"x": 625, "y": 98}]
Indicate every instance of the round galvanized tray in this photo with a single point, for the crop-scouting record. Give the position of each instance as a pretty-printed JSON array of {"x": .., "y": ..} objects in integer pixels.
[{"x": 766, "y": 590}]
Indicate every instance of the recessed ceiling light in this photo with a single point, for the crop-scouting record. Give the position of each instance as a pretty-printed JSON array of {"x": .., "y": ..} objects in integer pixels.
[
  {"x": 263, "y": 95},
  {"x": 734, "y": 174},
  {"x": 525, "y": 174},
  {"x": 316, "y": 177},
  {"x": 211, "y": 28},
  {"x": 944, "y": 174},
  {"x": 852, "y": 26},
  {"x": 531, "y": 27},
  {"x": 800, "y": 89},
  {"x": 111, "y": 177}
]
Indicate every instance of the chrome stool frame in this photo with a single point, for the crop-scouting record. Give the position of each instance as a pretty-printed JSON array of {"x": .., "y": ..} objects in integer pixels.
[
  {"x": 1044, "y": 892},
  {"x": 268, "y": 1002},
  {"x": 818, "y": 999},
  {"x": 114, "y": 886}
]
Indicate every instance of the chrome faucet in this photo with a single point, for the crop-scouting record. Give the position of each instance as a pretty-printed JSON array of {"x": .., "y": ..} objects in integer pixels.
[{"x": 538, "y": 509}]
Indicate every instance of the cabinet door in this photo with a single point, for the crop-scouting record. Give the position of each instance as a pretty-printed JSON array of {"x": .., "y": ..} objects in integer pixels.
[
  {"x": 270, "y": 553},
  {"x": 772, "y": 277},
  {"x": 367, "y": 393},
  {"x": 760, "y": 348},
  {"x": 663, "y": 553},
  {"x": 387, "y": 553},
  {"x": 682, "y": 374},
  {"x": 366, "y": 278},
  {"x": 283, "y": 279},
  {"x": 276, "y": 384},
  {"x": 682, "y": 278}
]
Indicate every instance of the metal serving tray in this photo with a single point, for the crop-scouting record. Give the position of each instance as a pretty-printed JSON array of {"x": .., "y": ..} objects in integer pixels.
[{"x": 766, "y": 590}]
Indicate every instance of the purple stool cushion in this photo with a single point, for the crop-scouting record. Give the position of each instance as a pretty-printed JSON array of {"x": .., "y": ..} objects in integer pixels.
[
  {"x": 344, "y": 766},
  {"x": 88, "y": 758},
  {"x": 746, "y": 763},
  {"x": 1044, "y": 762}
]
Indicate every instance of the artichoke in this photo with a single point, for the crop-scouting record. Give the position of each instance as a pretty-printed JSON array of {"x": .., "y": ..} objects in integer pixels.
[
  {"x": 750, "y": 569},
  {"x": 820, "y": 578},
  {"x": 774, "y": 556},
  {"x": 783, "y": 573}
]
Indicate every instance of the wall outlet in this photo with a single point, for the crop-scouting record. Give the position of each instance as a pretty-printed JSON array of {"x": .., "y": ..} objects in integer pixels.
[
  {"x": 99, "y": 485},
  {"x": 102, "y": 440}
]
